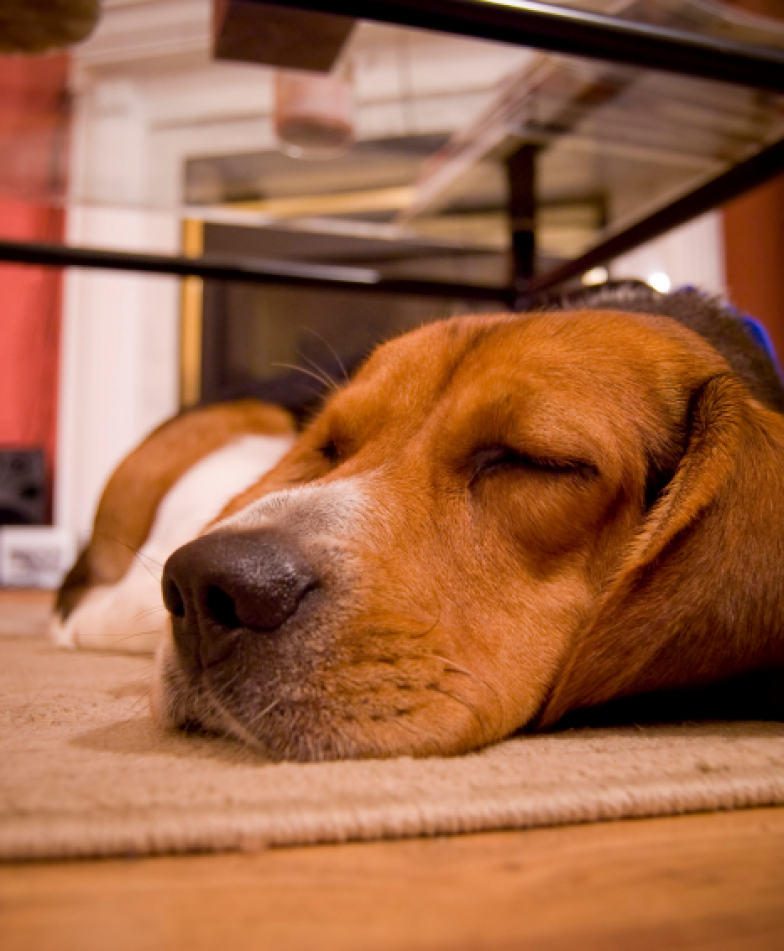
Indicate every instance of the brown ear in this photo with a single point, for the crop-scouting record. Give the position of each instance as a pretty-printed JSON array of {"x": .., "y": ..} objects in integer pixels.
[{"x": 699, "y": 596}]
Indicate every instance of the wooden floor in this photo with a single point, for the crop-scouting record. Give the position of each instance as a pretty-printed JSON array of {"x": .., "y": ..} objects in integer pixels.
[{"x": 699, "y": 882}]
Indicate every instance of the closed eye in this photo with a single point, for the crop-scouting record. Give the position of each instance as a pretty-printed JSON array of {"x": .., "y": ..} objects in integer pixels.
[
  {"x": 491, "y": 459},
  {"x": 330, "y": 452}
]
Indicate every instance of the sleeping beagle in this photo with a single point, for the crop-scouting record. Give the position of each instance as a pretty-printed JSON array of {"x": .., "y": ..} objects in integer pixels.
[{"x": 500, "y": 520}]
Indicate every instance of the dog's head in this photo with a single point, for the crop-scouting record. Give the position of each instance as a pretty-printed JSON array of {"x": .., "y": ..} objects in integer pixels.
[{"x": 500, "y": 519}]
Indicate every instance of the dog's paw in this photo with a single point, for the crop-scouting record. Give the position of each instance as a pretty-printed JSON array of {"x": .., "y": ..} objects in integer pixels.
[
  {"x": 127, "y": 617},
  {"x": 60, "y": 632}
]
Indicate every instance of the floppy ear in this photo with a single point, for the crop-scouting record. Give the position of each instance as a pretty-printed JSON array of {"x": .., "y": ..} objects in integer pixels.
[{"x": 699, "y": 596}]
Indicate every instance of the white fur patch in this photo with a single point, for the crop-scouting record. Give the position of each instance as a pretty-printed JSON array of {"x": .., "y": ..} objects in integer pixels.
[
  {"x": 333, "y": 507},
  {"x": 129, "y": 615}
]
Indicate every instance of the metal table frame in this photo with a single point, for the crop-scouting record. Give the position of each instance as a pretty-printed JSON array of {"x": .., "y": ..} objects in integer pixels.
[{"x": 524, "y": 23}]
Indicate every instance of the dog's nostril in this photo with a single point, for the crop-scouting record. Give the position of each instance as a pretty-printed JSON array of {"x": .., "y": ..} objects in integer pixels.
[
  {"x": 220, "y": 606},
  {"x": 226, "y": 588},
  {"x": 172, "y": 598}
]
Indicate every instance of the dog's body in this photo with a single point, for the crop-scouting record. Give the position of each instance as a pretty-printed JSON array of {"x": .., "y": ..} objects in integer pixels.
[
  {"x": 162, "y": 495},
  {"x": 500, "y": 520}
]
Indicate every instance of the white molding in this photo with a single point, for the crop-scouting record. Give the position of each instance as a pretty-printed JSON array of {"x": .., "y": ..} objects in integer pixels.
[{"x": 119, "y": 365}]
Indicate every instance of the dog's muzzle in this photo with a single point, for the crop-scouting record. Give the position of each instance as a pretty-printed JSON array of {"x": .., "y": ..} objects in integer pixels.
[{"x": 223, "y": 587}]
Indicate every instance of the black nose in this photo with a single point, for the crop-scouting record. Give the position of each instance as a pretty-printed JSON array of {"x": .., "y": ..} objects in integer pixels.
[{"x": 222, "y": 586}]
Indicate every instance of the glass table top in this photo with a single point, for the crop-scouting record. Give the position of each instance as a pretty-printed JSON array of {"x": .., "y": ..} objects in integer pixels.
[
  {"x": 722, "y": 19},
  {"x": 410, "y": 175}
]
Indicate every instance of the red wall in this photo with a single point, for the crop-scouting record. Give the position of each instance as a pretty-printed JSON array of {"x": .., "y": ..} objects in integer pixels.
[
  {"x": 754, "y": 252},
  {"x": 33, "y": 146},
  {"x": 754, "y": 235}
]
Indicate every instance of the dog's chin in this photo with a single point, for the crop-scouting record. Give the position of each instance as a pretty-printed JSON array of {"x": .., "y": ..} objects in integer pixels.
[
  {"x": 303, "y": 723},
  {"x": 297, "y": 733}
]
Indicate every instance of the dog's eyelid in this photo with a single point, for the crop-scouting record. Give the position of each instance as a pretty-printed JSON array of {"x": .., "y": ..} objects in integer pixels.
[
  {"x": 335, "y": 445},
  {"x": 487, "y": 458},
  {"x": 331, "y": 451}
]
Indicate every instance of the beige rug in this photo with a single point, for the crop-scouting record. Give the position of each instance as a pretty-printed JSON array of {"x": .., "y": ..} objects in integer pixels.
[{"x": 83, "y": 772}]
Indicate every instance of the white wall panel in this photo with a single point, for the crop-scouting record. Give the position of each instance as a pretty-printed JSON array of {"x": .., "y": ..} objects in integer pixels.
[{"x": 691, "y": 254}]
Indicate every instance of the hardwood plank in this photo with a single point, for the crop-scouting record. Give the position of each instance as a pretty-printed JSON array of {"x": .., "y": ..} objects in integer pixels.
[{"x": 698, "y": 882}]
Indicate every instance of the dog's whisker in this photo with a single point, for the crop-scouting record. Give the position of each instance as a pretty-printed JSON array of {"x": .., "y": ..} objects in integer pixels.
[
  {"x": 136, "y": 553},
  {"x": 138, "y": 670},
  {"x": 234, "y": 728},
  {"x": 238, "y": 729},
  {"x": 324, "y": 381},
  {"x": 130, "y": 637},
  {"x": 454, "y": 667},
  {"x": 135, "y": 705},
  {"x": 430, "y": 630},
  {"x": 144, "y": 614},
  {"x": 211, "y": 718},
  {"x": 333, "y": 384},
  {"x": 332, "y": 350},
  {"x": 156, "y": 578},
  {"x": 469, "y": 706},
  {"x": 261, "y": 714}
]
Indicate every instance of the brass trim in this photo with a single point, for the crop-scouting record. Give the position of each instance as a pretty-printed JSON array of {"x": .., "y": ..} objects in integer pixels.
[
  {"x": 191, "y": 315},
  {"x": 397, "y": 198}
]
